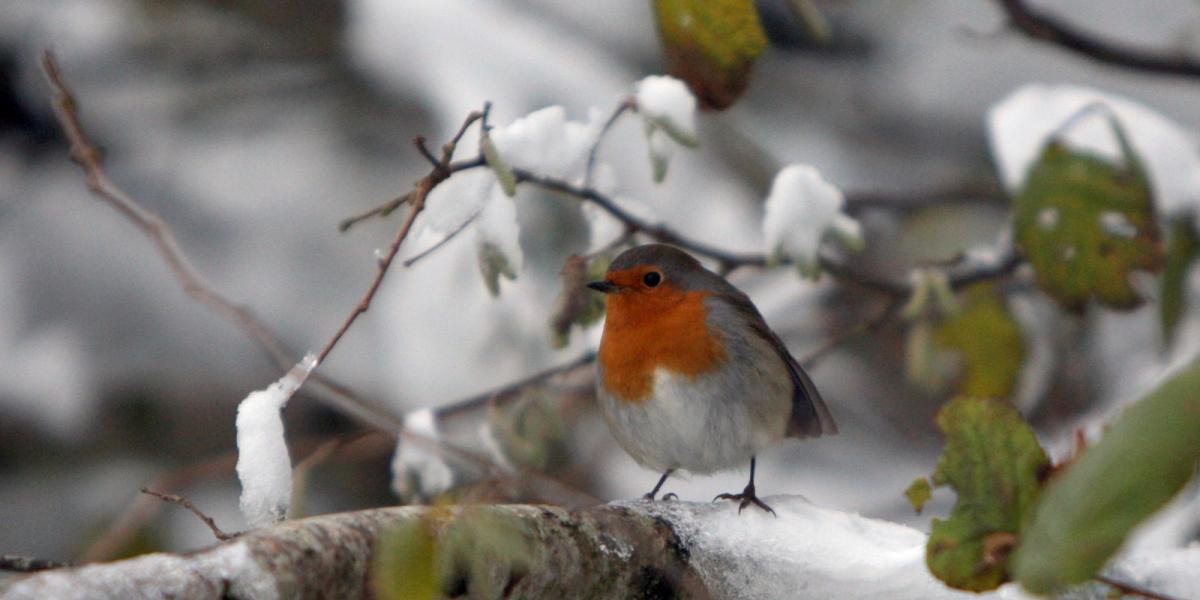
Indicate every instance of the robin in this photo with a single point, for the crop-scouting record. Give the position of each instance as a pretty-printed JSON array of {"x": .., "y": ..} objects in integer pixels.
[{"x": 690, "y": 377}]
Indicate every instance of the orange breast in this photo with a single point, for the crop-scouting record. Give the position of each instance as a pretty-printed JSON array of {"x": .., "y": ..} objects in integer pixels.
[{"x": 648, "y": 331}]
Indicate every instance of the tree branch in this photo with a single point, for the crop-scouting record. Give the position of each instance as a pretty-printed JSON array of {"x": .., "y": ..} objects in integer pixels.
[
  {"x": 184, "y": 502},
  {"x": 1041, "y": 26}
]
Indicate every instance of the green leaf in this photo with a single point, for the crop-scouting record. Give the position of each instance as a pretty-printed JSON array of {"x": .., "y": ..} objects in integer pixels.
[
  {"x": 576, "y": 304},
  {"x": 504, "y": 173},
  {"x": 1085, "y": 223},
  {"x": 993, "y": 460},
  {"x": 405, "y": 564},
  {"x": 444, "y": 550},
  {"x": 531, "y": 431},
  {"x": 1087, "y": 511},
  {"x": 492, "y": 265},
  {"x": 987, "y": 340},
  {"x": 1183, "y": 247},
  {"x": 711, "y": 44},
  {"x": 918, "y": 493}
]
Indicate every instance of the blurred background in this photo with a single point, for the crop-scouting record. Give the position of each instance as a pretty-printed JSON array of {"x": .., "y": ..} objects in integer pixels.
[{"x": 253, "y": 127}]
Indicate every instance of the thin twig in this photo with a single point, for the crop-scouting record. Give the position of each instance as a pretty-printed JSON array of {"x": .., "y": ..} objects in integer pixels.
[
  {"x": 441, "y": 172},
  {"x": 184, "y": 502},
  {"x": 29, "y": 564},
  {"x": 382, "y": 210},
  {"x": 442, "y": 242},
  {"x": 867, "y": 326},
  {"x": 85, "y": 153},
  {"x": 512, "y": 390},
  {"x": 1042, "y": 26},
  {"x": 1133, "y": 589},
  {"x": 626, "y": 104}
]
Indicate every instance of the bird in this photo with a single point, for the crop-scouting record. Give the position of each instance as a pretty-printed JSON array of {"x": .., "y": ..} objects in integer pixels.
[{"x": 689, "y": 375}]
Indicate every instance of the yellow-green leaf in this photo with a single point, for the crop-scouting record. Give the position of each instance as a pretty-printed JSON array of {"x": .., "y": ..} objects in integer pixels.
[
  {"x": 918, "y": 493},
  {"x": 711, "y": 44},
  {"x": 987, "y": 340},
  {"x": 577, "y": 305},
  {"x": 493, "y": 265},
  {"x": 993, "y": 461},
  {"x": 1085, "y": 223},
  {"x": 405, "y": 564},
  {"x": 1088, "y": 509},
  {"x": 1183, "y": 247}
]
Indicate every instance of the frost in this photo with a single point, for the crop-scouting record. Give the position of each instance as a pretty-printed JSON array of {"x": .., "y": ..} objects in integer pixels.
[
  {"x": 1021, "y": 124},
  {"x": 667, "y": 104},
  {"x": 416, "y": 468},
  {"x": 264, "y": 467},
  {"x": 802, "y": 210}
]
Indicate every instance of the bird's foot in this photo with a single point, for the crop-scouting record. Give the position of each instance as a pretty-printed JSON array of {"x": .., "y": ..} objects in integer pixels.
[
  {"x": 670, "y": 496},
  {"x": 746, "y": 498}
]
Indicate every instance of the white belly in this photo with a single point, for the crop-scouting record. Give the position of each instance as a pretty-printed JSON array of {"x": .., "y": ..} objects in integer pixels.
[{"x": 702, "y": 424}]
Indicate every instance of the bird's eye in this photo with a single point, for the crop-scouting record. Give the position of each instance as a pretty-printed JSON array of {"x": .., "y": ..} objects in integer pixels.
[{"x": 652, "y": 279}]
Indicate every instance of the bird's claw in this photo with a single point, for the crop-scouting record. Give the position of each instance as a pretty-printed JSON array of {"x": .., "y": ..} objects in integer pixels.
[
  {"x": 670, "y": 496},
  {"x": 746, "y": 498}
]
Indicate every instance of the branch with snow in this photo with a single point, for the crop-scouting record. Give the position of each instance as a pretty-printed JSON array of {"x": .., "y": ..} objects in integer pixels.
[
  {"x": 619, "y": 550},
  {"x": 264, "y": 467},
  {"x": 802, "y": 211}
]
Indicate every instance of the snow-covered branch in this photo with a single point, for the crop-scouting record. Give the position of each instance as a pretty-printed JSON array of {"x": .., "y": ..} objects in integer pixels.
[{"x": 619, "y": 550}]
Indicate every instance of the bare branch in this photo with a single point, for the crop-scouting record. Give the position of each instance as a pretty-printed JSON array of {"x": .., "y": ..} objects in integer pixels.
[
  {"x": 184, "y": 502},
  {"x": 442, "y": 242},
  {"x": 1041, "y": 26},
  {"x": 868, "y": 326},
  {"x": 626, "y": 104},
  {"x": 441, "y": 172},
  {"x": 1131, "y": 589}
]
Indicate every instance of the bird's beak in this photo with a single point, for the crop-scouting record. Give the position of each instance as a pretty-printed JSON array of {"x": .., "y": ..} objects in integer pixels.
[{"x": 605, "y": 286}]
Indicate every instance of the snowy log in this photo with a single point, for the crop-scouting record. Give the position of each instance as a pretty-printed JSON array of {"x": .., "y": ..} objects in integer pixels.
[{"x": 623, "y": 550}]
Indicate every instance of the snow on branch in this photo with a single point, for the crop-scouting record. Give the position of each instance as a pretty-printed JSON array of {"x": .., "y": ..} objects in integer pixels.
[
  {"x": 619, "y": 550},
  {"x": 264, "y": 466}
]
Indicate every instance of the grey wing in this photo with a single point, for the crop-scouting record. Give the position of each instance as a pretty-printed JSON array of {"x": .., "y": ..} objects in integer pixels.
[{"x": 810, "y": 417}]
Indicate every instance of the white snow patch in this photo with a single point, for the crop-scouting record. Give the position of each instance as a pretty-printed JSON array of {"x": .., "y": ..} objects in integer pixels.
[
  {"x": 805, "y": 552},
  {"x": 1021, "y": 124},
  {"x": 669, "y": 111},
  {"x": 231, "y": 566},
  {"x": 802, "y": 208},
  {"x": 414, "y": 459},
  {"x": 264, "y": 467},
  {"x": 666, "y": 102}
]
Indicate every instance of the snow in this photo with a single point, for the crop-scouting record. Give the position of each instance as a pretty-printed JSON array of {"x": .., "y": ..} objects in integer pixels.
[
  {"x": 809, "y": 551},
  {"x": 416, "y": 459},
  {"x": 669, "y": 111},
  {"x": 264, "y": 467},
  {"x": 1021, "y": 124},
  {"x": 805, "y": 552},
  {"x": 232, "y": 565},
  {"x": 665, "y": 102},
  {"x": 802, "y": 209}
]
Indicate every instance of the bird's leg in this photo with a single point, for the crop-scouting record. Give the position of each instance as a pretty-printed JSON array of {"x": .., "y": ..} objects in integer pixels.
[
  {"x": 659, "y": 485},
  {"x": 747, "y": 496}
]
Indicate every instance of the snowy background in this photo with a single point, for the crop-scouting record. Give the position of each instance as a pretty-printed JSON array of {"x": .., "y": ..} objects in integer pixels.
[{"x": 253, "y": 130}]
